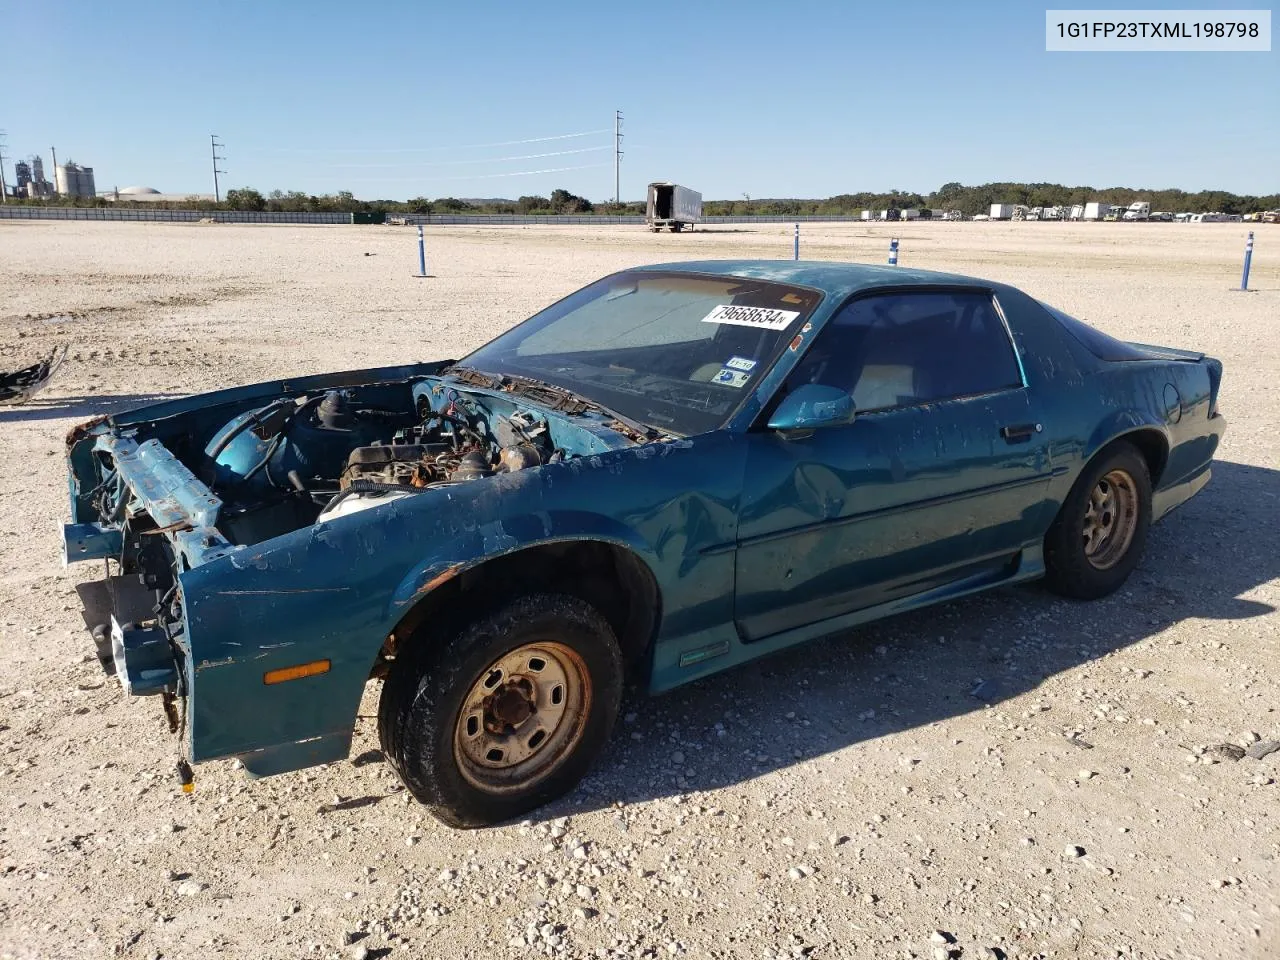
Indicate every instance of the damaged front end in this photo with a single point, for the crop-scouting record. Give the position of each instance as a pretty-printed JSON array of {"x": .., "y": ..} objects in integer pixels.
[{"x": 185, "y": 501}]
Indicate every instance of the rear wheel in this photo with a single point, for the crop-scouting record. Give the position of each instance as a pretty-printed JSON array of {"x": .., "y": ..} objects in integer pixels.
[
  {"x": 506, "y": 714},
  {"x": 1097, "y": 538}
]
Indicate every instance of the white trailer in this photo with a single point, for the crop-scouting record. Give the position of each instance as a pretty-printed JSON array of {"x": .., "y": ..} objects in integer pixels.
[
  {"x": 1096, "y": 211},
  {"x": 1001, "y": 211},
  {"x": 1077, "y": 212},
  {"x": 910, "y": 213},
  {"x": 868, "y": 215},
  {"x": 672, "y": 206}
]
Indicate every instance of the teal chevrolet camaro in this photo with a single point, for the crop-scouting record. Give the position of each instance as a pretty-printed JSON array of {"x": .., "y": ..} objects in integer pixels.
[{"x": 672, "y": 471}]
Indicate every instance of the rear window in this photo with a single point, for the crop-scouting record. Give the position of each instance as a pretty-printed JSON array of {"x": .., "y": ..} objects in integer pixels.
[{"x": 1095, "y": 341}]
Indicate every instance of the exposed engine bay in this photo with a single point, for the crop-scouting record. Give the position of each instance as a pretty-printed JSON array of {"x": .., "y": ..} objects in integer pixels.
[
  {"x": 313, "y": 458},
  {"x": 160, "y": 497}
]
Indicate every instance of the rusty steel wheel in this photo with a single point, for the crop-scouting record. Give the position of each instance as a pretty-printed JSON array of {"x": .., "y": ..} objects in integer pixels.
[
  {"x": 1110, "y": 519},
  {"x": 523, "y": 715},
  {"x": 1096, "y": 539},
  {"x": 491, "y": 716}
]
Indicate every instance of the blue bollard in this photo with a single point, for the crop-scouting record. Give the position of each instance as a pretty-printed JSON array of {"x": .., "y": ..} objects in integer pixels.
[
  {"x": 893, "y": 252},
  {"x": 422, "y": 253},
  {"x": 1248, "y": 259},
  {"x": 797, "y": 241}
]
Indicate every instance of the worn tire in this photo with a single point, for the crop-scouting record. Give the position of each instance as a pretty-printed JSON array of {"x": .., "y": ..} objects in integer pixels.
[
  {"x": 420, "y": 713},
  {"x": 1068, "y": 569}
]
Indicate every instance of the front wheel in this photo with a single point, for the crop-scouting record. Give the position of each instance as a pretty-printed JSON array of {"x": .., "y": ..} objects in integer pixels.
[
  {"x": 505, "y": 715},
  {"x": 1097, "y": 538}
]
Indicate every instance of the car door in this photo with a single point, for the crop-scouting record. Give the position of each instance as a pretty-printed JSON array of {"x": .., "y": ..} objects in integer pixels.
[{"x": 940, "y": 478}]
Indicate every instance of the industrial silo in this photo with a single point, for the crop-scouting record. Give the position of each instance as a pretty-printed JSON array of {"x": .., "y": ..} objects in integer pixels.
[{"x": 73, "y": 180}]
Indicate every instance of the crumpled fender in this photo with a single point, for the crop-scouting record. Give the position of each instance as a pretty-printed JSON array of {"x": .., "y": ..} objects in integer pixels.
[
  {"x": 506, "y": 536},
  {"x": 335, "y": 590}
]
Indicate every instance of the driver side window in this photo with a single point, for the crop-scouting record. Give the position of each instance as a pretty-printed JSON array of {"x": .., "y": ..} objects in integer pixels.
[{"x": 905, "y": 349}]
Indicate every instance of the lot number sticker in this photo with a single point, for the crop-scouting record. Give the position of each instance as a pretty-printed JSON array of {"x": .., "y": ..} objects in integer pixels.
[
  {"x": 740, "y": 363},
  {"x": 762, "y": 318}
]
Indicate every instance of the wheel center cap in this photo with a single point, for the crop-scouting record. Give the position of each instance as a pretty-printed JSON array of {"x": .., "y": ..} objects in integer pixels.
[{"x": 510, "y": 705}]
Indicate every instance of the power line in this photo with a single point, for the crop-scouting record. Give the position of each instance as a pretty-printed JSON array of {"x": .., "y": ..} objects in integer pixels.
[
  {"x": 456, "y": 163},
  {"x": 468, "y": 146},
  {"x": 483, "y": 176},
  {"x": 214, "y": 145},
  {"x": 529, "y": 173}
]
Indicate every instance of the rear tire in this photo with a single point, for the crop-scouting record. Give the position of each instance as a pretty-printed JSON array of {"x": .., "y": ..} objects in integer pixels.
[
  {"x": 1097, "y": 538},
  {"x": 507, "y": 713}
]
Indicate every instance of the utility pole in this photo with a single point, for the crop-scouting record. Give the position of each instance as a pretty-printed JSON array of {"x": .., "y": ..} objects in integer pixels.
[
  {"x": 4, "y": 191},
  {"x": 214, "y": 146},
  {"x": 617, "y": 157},
  {"x": 54, "y": 152}
]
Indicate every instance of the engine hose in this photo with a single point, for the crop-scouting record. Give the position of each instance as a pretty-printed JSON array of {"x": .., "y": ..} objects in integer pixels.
[
  {"x": 370, "y": 486},
  {"x": 266, "y": 458},
  {"x": 254, "y": 419},
  {"x": 277, "y": 440}
]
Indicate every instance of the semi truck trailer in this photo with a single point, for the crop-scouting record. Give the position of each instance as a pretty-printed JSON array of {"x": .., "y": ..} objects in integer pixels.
[{"x": 672, "y": 206}]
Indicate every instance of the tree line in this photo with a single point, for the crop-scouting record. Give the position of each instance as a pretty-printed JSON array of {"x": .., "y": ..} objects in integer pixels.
[{"x": 969, "y": 200}]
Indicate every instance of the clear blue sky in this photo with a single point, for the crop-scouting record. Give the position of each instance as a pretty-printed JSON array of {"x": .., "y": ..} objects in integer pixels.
[{"x": 773, "y": 99}]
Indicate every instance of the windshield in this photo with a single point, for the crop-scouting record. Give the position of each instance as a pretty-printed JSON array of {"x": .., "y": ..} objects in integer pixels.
[{"x": 675, "y": 351}]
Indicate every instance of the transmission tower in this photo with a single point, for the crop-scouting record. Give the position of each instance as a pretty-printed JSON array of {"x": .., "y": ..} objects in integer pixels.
[
  {"x": 617, "y": 157},
  {"x": 215, "y": 146}
]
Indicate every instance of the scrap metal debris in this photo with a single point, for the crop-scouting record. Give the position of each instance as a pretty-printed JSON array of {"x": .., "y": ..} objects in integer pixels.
[
  {"x": 1263, "y": 749},
  {"x": 21, "y": 385}
]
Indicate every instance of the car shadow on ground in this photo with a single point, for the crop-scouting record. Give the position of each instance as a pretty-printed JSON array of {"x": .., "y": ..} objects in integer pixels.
[
  {"x": 43, "y": 407},
  {"x": 921, "y": 668}
]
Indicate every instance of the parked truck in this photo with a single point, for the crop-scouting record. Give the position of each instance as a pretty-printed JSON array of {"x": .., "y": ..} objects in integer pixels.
[
  {"x": 672, "y": 206},
  {"x": 1001, "y": 211},
  {"x": 1138, "y": 210},
  {"x": 1096, "y": 211}
]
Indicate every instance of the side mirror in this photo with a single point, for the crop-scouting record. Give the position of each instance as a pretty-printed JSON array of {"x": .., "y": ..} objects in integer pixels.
[{"x": 813, "y": 405}]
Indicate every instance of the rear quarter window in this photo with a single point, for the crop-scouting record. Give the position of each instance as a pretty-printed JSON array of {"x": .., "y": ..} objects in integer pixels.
[
  {"x": 904, "y": 349},
  {"x": 1095, "y": 341}
]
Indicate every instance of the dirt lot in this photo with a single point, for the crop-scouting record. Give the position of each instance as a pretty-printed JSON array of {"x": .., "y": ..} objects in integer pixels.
[{"x": 850, "y": 799}]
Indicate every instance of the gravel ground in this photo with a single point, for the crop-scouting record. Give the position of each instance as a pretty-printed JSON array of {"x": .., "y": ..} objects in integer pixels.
[{"x": 1011, "y": 775}]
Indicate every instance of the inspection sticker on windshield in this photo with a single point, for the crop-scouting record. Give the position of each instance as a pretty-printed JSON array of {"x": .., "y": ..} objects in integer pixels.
[
  {"x": 762, "y": 318},
  {"x": 731, "y": 378},
  {"x": 740, "y": 363}
]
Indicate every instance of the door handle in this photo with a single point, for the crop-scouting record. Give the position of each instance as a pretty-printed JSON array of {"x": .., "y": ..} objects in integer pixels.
[{"x": 1020, "y": 433}]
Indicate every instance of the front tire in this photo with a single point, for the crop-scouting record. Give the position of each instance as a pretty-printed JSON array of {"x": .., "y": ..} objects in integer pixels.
[
  {"x": 506, "y": 714},
  {"x": 1098, "y": 536}
]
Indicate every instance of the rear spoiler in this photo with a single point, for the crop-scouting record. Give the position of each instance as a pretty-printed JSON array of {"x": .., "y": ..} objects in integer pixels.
[{"x": 1165, "y": 353}]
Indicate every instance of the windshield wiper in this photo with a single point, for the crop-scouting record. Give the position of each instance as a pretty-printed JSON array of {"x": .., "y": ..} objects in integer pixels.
[
  {"x": 568, "y": 401},
  {"x": 474, "y": 377},
  {"x": 556, "y": 397}
]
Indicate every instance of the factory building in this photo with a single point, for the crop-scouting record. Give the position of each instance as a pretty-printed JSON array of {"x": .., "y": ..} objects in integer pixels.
[{"x": 73, "y": 180}]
